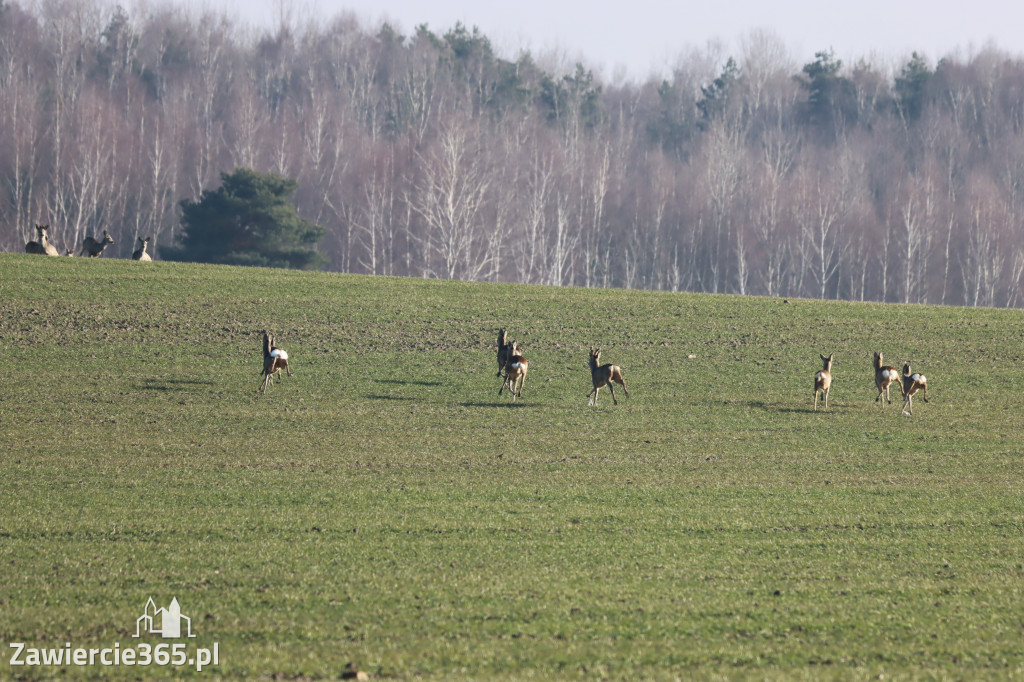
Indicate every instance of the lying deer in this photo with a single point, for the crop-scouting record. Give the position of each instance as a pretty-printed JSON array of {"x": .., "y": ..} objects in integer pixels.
[
  {"x": 912, "y": 383},
  {"x": 604, "y": 375},
  {"x": 823, "y": 380},
  {"x": 43, "y": 247},
  {"x": 140, "y": 253},
  {"x": 884, "y": 376},
  {"x": 95, "y": 248},
  {"x": 503, "y": 349},
  {"x": 274, "y": 360},
  {"x": 515, "y": 371}
]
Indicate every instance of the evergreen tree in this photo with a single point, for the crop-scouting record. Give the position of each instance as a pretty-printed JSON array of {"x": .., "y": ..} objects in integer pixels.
[
  {"x": 248, "y": 221},
  {"x": 911, "y": 87},
  {"x": 715, "y": 96},
  {"x": 831, "y": 98}
]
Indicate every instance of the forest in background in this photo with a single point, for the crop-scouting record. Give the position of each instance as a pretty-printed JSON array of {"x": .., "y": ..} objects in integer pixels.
[{"x": 429, "y": 155}]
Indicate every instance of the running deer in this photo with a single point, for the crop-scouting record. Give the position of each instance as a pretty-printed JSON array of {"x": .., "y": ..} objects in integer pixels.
[
  {"x": 515, "y": 371},
  {"x": 94, "y": 248},
  {"x": 604, "y": 375},
  {"x": 884, "y": 376},
  {"x": 274, "y": 360},
  {"x": 140, "y": 253},
  {"x": 823, "y": 380},
  {"x": 43, "y": 247},
  {"x": 912, "y": 383},
  {"x": 503, "y": 349}
]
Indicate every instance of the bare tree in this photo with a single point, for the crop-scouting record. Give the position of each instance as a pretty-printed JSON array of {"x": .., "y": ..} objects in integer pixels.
[{"x": 450, "y": 199}]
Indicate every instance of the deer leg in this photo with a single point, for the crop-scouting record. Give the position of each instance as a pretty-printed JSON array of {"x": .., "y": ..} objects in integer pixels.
[
  {"x": 908, "y": 403},
  {"x": 612, "y": 389},
  {"x": 925, "y": 391},
  {"x": 826, "y": 396},
  {"x": 593, "y": 395},
  {"x": 623, "y": 384},
  {"x": 522, "y": 382}
]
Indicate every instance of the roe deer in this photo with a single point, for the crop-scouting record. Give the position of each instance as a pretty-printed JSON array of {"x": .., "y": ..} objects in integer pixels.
[
  {"x": 274, "y": 360},
  {"x": 912, "y": 383},
  {"x": 503, "y": 348},
  {"x": 515, "y": 371},
  {"x": 95, "y": 248},
  {"x": 42, "y": 247},
  {"x": 140, "y": 253},
  {"x": 885, "y": 375},
  {"x": 604, "y": 375},
  {"x": 823, "y": 380}
]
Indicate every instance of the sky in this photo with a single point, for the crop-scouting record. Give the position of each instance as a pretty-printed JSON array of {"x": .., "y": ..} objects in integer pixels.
[{"x": 633, "y": 39}]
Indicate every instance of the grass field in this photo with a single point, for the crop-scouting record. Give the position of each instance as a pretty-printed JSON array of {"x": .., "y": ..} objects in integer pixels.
[{"x": 385, "y": 506}]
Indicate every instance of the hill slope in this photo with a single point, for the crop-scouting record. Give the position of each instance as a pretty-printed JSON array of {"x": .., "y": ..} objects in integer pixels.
[{"x": 386, "y": 506}]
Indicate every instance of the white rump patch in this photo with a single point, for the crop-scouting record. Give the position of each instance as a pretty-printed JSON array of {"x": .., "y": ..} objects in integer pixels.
[
  {"x": 919, "y": 378},
  {"x": 890, "y": 374},
  {"x": 517, "y": 365},
  {"x": 278, "y": 353}
]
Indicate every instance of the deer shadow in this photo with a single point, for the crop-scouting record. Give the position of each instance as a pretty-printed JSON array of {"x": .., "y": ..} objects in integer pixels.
[
  {"x": 377, "y": 396},
  {"x": 478, "y": 403},
  {"x": 403, "y": 382},
  {"x": 172, "y": 384}
]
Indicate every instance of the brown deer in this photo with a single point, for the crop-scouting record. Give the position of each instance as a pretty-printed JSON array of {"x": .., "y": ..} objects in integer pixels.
[
  {"x": 515, "y": 371},
  {"x": 884, "y": 376},
  {"x": 503, "y": 348},
  {"x": 604, "y": 375},
  {"x": 140, "y": 253},
  {"x": 43, "y": 247},
  {"x": 823, "y": 380},
  {"x": 94, "y": 248},
  {"x": 274, "y": 360},
  {"x": 912, "y": 383}
]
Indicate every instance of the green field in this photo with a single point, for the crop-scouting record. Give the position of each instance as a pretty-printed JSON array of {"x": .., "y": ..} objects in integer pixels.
[{"x": 385, "y": 506}]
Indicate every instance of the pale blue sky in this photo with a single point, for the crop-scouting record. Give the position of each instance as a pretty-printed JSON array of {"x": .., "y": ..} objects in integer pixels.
[{"x": 636, "y": 37}]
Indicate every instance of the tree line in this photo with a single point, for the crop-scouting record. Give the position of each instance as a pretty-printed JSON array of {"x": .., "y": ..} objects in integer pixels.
[{"x": 430, "y": 155}]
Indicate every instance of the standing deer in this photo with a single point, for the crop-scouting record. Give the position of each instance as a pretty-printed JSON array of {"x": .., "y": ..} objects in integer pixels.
[
  {"x": 912, "y": 383},
  {"x": 885, "y": 376},
  {"x": 823, "y": 380},
  {"x": 95, "y": 248},
  {"x": 515, "y": 371},
  {"x": 274, "y": 360},
  {"x": 43, "y": 247},
  {"x": 604, "y": 375},
  {"x": 503, "y": 349},
  {"x": 140, "y": 253}
]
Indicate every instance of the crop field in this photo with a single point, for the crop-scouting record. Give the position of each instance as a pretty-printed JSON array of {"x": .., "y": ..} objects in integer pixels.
[{"x": 386, "y": 507}]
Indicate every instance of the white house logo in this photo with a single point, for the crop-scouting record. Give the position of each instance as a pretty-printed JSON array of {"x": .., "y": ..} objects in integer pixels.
[
  {"x": 168, "y": 623},
  {"x": 164, "y": 622}
]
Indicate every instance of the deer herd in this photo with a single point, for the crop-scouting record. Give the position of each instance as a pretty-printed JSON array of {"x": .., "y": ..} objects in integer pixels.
[
  {"x": 91, "y": 246},
  {"x": 513, "y": 365},
  {"x": 908, "y": 383}
]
